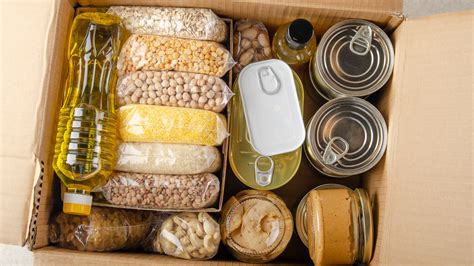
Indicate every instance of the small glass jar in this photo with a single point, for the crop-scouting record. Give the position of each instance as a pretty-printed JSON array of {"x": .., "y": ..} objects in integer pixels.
[
  {"x": 256, "y": 226},
  {"x": 335, "y": 223}
]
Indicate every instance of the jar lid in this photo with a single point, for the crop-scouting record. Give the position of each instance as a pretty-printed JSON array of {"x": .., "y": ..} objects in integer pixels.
[
  {"x": 256, "y": 226},
  {"x": 355, "y": 58},
  {"x": 271, "y": 107},
  {"x": 346, "y": 136}
]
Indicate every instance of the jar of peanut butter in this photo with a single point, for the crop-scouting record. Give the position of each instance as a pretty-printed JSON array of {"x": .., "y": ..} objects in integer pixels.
[
  {"x": 335, "y": 223},
  {"x": 256, "y": 226}
]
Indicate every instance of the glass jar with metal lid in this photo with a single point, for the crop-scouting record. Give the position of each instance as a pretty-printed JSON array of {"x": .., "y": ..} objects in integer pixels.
[
  {"x": 346, "y": 136},
  {"x": 256, "y": 226},
  {"x": 336, "y": 224},
  {"x": 354, "y": 58}
]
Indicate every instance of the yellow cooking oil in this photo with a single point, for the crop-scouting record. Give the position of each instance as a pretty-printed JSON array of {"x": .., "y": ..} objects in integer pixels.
[
  {"x": 242, "y": 156},
  {"x": 84, "y": 154}
]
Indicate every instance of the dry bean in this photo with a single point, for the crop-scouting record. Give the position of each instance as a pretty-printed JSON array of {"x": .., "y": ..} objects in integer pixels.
[
  {"x": 151, "y": 52},
  {"x": 193, "y": 88}
]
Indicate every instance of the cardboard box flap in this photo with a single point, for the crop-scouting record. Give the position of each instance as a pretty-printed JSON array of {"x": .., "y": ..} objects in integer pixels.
[
  {"x": 22, "y": 53},
  {"x": 372, "y": 5},
  {"x": 426, "y": 185},
  {"x": 323, "y": 13}
]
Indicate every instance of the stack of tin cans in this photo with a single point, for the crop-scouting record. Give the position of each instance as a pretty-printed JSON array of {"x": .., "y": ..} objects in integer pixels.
[{"x": 348, "y": 135}]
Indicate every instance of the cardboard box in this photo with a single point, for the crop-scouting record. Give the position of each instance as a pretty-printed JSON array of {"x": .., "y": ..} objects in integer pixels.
[{"x": 421, "y": 190}]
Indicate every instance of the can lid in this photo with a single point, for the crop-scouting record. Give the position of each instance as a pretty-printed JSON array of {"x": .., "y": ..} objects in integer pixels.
[
  {"x": 271, "y": 107},
  {"x": 77, "y": 204},
  {"x": 347, "y": 135},
  {"x": 300, "y": 31},
  {"x": 355, "y": 58}
]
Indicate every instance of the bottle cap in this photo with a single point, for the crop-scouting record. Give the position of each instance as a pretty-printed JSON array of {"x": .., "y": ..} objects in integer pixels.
[
  {"x": 77, "y": 204},
  {"x": 299, "y": 33}
]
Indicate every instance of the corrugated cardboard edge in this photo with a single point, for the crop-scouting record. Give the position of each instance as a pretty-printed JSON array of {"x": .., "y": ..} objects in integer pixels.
[
  {"x": 420, "y": 208},
  {"x": 44, "y": 128}
]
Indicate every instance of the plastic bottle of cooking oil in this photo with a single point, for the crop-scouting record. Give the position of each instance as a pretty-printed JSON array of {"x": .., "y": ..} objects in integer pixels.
[
  {"x": 295, "y": 42},
  {"x": 84, "y": 154}
]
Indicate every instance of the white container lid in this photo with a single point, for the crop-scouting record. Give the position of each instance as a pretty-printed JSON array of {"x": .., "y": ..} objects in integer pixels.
[{"x": 274, "y": 121}]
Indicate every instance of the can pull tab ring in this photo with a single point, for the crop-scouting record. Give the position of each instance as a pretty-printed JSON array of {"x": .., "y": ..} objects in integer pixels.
[
  {"x": 263, "y": 177},
  {"x": 268, "y": 80},
  {"x": 330, "y": 155},
  {"x": 361, "y": 41}
]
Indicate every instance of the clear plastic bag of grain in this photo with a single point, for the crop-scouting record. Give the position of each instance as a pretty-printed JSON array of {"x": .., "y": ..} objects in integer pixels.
[
  {"x": 251, "y": 43},
  {"x": 170, "y": 159},
  {"x": 170, "y": 88},
  {"x": 162, "y": 192},
  {"x": 152, "y": 52},
  {"x": 105, "y": 229},
  {"x": 192, "y": 236},
  {"x": 189, "y": 23},
  {"x": 152, "y": 123}
]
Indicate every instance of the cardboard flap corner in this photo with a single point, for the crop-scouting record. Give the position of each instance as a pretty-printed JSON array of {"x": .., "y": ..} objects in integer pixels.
[
  {"x": 428, "y": 166},
  {"x": 22, "y": 49}
]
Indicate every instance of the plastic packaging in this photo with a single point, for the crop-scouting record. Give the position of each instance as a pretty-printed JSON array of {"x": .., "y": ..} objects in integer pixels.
[
  {"x": 151, "y": 52},
  {"x": 189, "y": 23},
  {"x": 162, "y": 191},
  {"x": 193, "y": 236},
  {"x": 178, "y": 89},
  {"x": 84, "y": 154},
  {"x": 151, "y": 123},
  {"x": 256, "y": 226},
  {"x": 172, "y": 159},
  {"x": 251, "y": 43},
  {"x": 105, "y": 229},
  {"x": 151, "y": 243}
]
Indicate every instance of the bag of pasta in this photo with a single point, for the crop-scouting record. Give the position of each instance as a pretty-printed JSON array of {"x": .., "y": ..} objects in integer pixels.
[{"x": 105, "y": 229}]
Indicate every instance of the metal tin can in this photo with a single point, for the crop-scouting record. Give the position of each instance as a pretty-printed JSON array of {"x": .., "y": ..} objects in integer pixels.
[
  {"x": 354, "y": 58},
  {"x": 346, "y": 136},
  {"x": 248, "y": 165}
]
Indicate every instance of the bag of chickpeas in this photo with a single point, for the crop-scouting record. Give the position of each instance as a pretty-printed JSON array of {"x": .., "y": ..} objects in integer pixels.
[
  {"x": 105, "y": 229},
  {"x": 192, "y": 236},
  {"x": 173, "y": 88},
  {"x": 154, "y": 53}
]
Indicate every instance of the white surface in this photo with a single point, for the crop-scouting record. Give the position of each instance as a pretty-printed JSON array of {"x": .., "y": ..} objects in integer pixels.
[
  {"x": 13, "y": 255},
  {"x": 271, "y": 107}
]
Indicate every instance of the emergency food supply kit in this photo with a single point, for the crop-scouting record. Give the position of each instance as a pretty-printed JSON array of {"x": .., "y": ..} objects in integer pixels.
[{"x": 229, "y": 132}]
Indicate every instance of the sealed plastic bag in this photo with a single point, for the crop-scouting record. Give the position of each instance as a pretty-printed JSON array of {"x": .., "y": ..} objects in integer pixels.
[
  {"x": 194, "y": 236},
  {"x": 151, "y": 243},
  {"x": 189, "y": 23},
  {"x": 151, "y": 52},
  {"x": 105, "y": 229},
  {"x": 251, "y": 43},
  {"x": 162, "y": 191},
  {"x": 170, "y": 159},
  {"x": 178, "y": 89},
  {"x": 151, "y": 123}
]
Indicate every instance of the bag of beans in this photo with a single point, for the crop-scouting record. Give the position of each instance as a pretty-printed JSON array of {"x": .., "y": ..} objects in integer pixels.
[
  {"x": 171, "y": 159},
  {"x": 178, "y": 89},
  {"x": 251, "y": 43},
  {"x": 152, "y": 123},
  {"x": 105, "y": 229},
  {"x": 161, "y": 192},
  {"x": 152, "y": 52},
  {"x": 189, "y": 23},
  {"x": 192, "y": 236}
]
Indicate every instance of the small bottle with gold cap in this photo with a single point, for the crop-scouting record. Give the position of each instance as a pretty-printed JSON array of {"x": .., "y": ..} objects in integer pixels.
[{"x": 84, "y": 154}]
